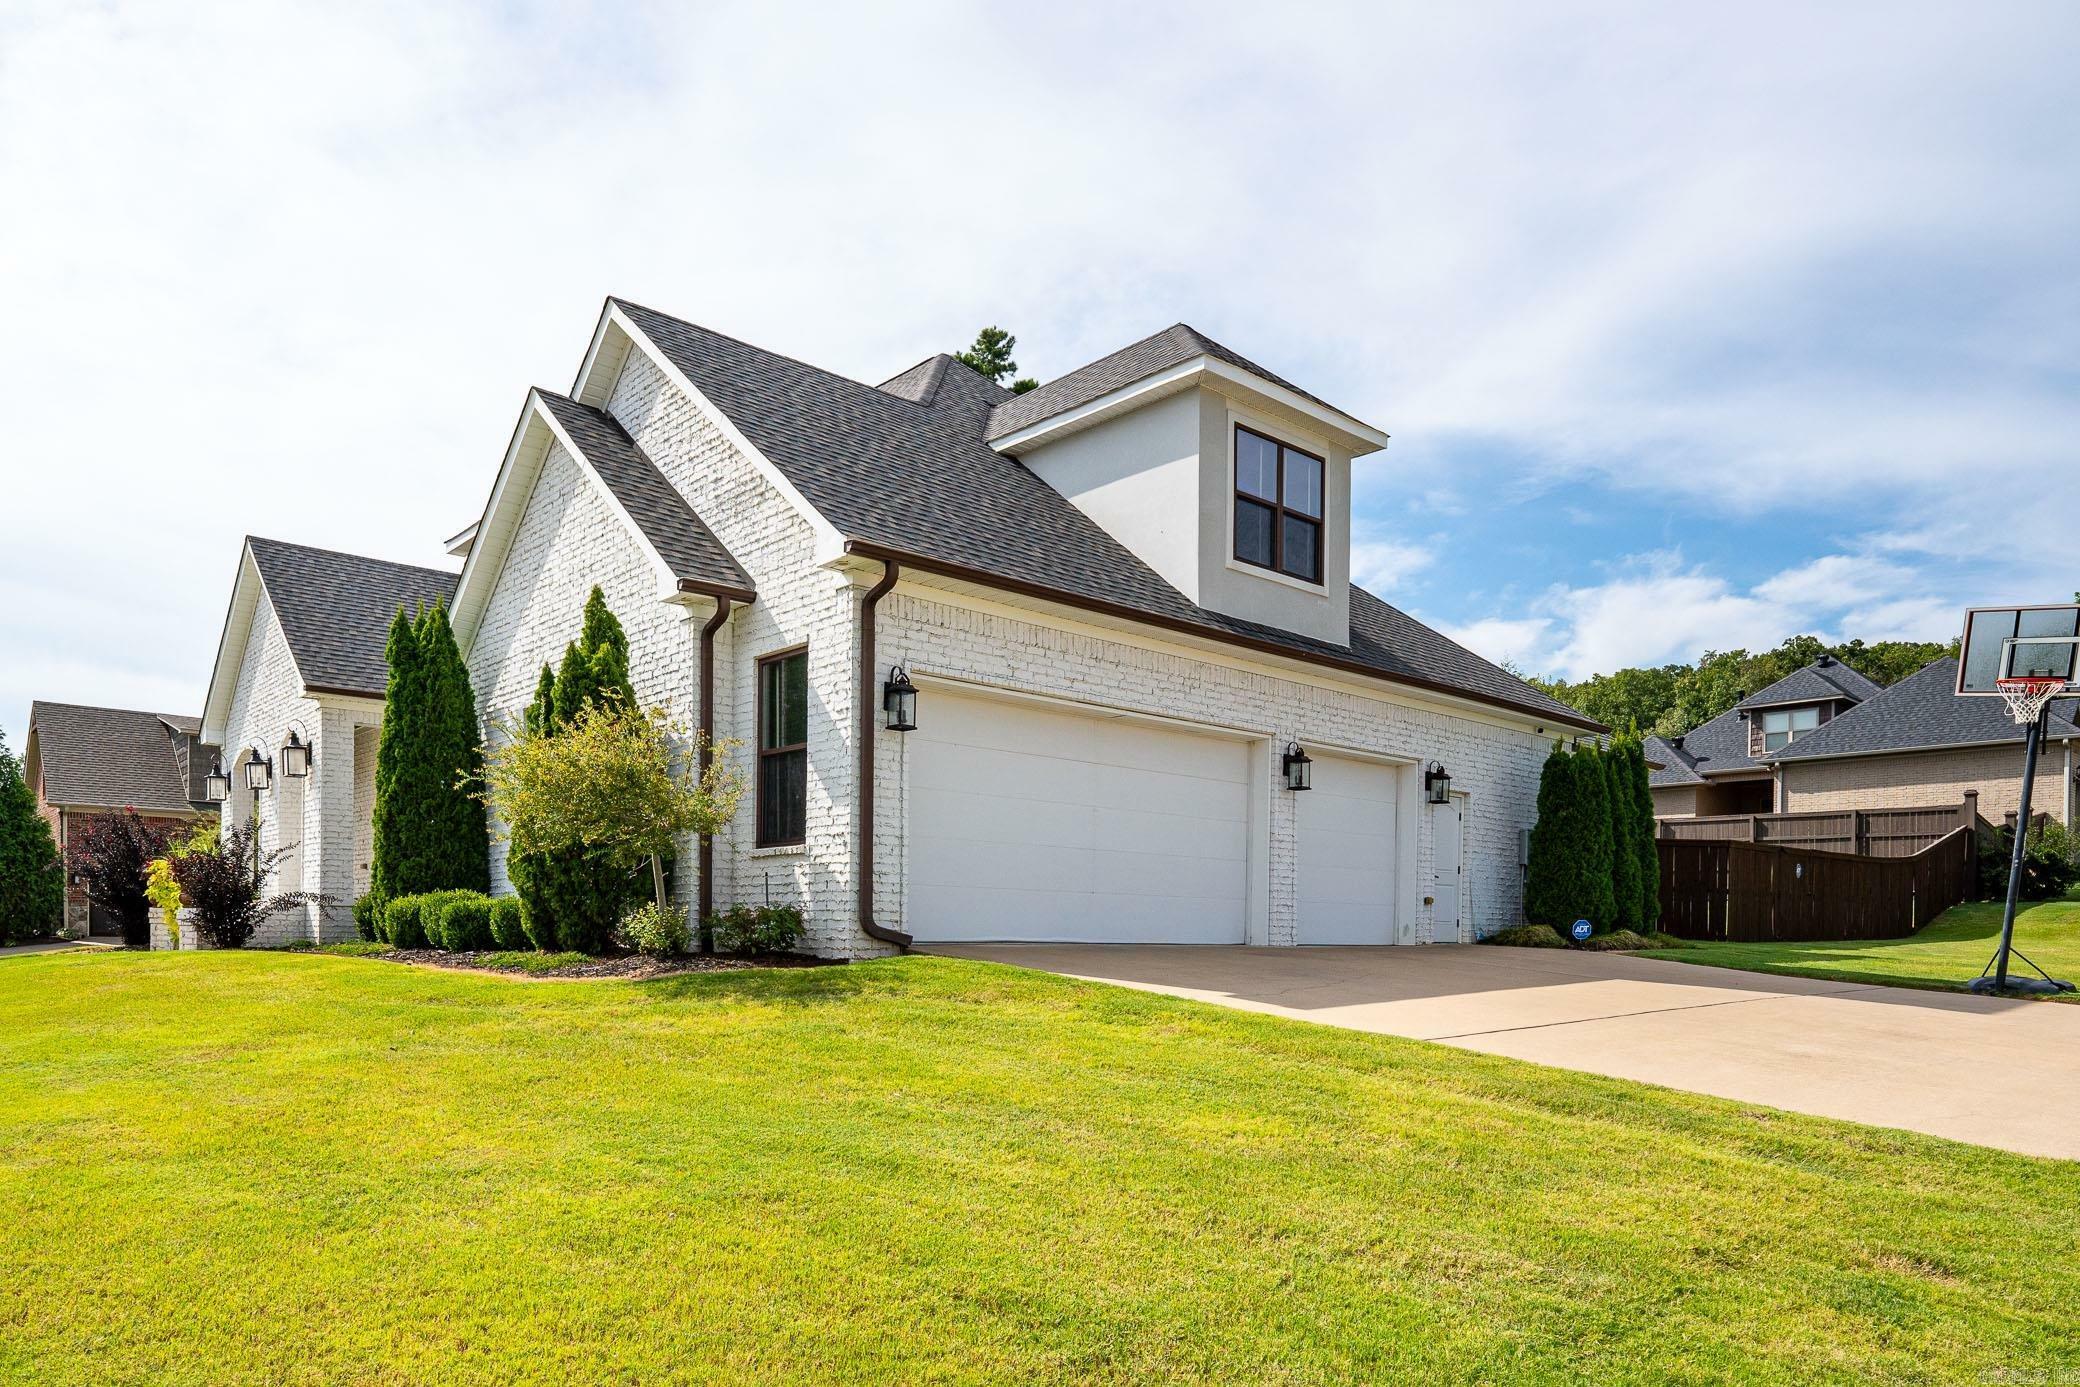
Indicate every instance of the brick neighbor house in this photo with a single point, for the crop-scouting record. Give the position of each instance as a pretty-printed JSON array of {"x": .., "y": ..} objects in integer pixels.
[
  {"x": 1124, "y": 603},
  {"x": 83, "y": 761},
  {"x": 1826, "y": 738},
  {"x": 302, "y": 653}
]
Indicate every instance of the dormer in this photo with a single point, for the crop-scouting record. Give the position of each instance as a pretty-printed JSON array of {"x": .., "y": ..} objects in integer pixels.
[
  {"x": 1801, "y": 702},
  {"x": 1231, "y": 483}
]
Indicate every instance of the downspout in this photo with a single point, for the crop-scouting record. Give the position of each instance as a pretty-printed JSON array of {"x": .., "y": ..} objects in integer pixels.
[
  {"x": 865, "y": 857},
  {"x": 707, "y": 730}
]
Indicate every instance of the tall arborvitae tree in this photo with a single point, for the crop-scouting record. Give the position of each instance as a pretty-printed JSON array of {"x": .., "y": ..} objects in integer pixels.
[
  {"x": 457, "y": 840},
  {"x": 32, "y": 881},
  {"x": 1644, "y": 833},
  {"x": 429, "y": 831},
  {"x": 574, "y": 900},
  {"x": 1625, "y": 897},
  {"x": 1570, "y": 874}
]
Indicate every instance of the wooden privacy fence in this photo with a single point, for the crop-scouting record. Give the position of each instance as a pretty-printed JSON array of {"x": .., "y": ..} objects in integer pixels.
[
  {"x": 1755, "y": 892},
  {"x": 1865, "y": 832}
]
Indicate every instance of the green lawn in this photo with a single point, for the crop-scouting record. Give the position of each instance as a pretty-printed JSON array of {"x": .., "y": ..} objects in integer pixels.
[
  {"x": 1948, "y": 952},
  {"x": 297, "y": 1168}
]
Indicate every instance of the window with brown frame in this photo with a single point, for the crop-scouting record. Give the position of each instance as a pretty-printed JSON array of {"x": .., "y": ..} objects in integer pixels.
[
  {"x": 1278, "y": 506},
  {"x": 783, "y": 748}
]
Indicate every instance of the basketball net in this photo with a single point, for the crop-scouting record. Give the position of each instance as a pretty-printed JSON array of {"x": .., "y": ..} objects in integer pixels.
[{"x": 2026, "y": 696}]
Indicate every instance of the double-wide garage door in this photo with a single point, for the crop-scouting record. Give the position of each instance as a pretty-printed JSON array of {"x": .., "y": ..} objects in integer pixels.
[
  {"x": 1039, "y": 822},
  {"x": 1042, "y": 823}
]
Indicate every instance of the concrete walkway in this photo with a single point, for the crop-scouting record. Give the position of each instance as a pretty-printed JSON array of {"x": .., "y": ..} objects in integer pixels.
[
  {"x": 49, "y": 946},
  {"x": 1979, "y": 1069}
]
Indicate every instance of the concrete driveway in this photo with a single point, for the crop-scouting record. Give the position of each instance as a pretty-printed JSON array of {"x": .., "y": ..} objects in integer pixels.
[{"x": 1986, "y": 1070}]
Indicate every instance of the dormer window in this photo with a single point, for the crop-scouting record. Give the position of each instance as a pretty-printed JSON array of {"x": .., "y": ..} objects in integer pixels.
[
  {"x": 1780, "y": 725},
  {"x": 1278, "y": 506}
]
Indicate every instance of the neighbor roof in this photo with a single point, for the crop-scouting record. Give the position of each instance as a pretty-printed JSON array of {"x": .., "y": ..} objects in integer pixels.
[
  {"x": 1823, "y": 681},
  {"x": 905, "y": 470},
  {"x": 113, "y": 758},
  {"x": 1921, "y": 712},
  {"x": 335, "y": 610},
  {"x": 1710, "y": 748},
  {"x": 686, "y": 545}
]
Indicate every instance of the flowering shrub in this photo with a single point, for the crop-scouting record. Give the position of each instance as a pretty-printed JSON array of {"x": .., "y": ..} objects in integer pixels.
[
  {"x": 765, "y": 929},
  {"x": 657, "y": 931}
]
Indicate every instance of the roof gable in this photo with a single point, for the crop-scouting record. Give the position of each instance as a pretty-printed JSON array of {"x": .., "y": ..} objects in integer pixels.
[
  {"x": 1826, "y": 680},
  {"x": 335, "y": 610},
  {"x": 112, "y": 758}
]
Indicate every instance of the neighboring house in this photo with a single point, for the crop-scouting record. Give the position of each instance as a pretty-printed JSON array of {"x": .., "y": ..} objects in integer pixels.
[
  {"x": 302, "y": 653},
  {"x": 84, "y": 761},
  {"x": 1724, "y": 766},
  {"x": 1917, "y": 742},
  {"x": 1825, "y": 738},
  {"x": 1121, "y": 596}
]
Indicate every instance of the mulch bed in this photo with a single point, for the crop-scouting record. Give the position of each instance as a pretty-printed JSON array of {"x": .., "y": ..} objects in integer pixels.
[{"x": 629, "y": 965}]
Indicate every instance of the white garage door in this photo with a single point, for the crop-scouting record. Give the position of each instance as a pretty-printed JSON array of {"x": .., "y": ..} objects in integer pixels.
[
  {"x": 1346, "y": 853},
  {"x": 1030, "y": 822}
]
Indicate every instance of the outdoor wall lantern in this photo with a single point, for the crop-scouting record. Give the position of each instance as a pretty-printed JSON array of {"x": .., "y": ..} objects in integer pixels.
[
  {"x": 296, "y": 756},
  {"x": 259, "y": 771},
  {"x": 1438, "y": 781},
  {"x": 899, "y": 701},
  {"x": 216, "y": 786},
  {"x": 1299, "y": 767}
]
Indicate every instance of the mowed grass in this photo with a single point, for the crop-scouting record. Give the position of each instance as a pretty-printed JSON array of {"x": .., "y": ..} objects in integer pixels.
[
  {"x": 1948, "y": 952},
  {"x": 254, "y": 1167}
]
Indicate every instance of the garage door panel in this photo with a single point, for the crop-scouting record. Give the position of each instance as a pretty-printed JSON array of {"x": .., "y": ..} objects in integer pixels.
[
  {"x": 1348, "y": 849},
  {"x": 1027, "y": 822}
]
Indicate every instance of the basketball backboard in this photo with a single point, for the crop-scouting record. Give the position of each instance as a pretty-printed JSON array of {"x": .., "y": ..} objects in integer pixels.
[{"x": 2015, "y": 642}]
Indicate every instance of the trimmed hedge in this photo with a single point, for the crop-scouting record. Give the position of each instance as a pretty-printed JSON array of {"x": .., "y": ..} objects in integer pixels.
[
  {"x": 509, "y": 924},
  {"x": 765, "y": 929},
  {"x": 459, "y": 923},
  {"x": 368, "y": 916}
]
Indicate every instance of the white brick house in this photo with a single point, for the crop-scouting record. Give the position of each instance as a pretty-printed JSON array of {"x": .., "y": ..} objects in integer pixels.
[
  {"x": 302, "y": 653},
  {"x": 1122, "y": 597}
]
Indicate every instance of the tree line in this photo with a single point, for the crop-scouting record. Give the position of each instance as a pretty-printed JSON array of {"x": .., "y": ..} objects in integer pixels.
[{"x": 1669, "y": 700}]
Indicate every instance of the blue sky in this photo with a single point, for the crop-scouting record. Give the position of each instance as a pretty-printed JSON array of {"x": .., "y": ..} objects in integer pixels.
[{"x": 1692, "y": 327}]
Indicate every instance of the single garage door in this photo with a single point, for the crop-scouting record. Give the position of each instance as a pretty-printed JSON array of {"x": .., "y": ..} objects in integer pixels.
[
  {"x": 1040, "y": 823},
  {"x": 1347, "y": 849}
]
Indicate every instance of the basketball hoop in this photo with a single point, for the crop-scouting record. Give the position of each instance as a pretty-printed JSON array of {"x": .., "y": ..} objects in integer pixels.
[{"x": 2026, "y": 695}]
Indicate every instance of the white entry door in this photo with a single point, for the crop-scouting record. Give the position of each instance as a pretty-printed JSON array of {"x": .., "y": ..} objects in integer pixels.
[
  {"x": 1448, "y": 849},
  {"x": 1034, "y": 822},
  {"x": 1347, "y": 851}
]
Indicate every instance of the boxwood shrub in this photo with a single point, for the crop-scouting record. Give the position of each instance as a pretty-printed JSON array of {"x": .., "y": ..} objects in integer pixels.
[
  {"x": 508, "y": 925},
  {"x": 458, "y": 921}
]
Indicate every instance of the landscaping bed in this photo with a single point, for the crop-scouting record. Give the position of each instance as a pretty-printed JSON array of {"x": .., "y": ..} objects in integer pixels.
[{"x": 528, "y": 963}]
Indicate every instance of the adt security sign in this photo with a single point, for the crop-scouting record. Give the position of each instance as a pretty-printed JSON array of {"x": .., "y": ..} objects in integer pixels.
[{"x": 1581, "y": 930}]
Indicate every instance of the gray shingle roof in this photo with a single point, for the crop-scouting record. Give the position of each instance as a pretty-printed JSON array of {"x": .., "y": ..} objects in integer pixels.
[
  {"x": 336, "y": 609},
  {"x": 111, "y": 757},
  {"x": 920, "y": 479},
  {"x": 1172, "y": 346},
  {"x": 685, "y": 544},
  {"x": 1710, "y": 748},
  {"x": 1814, "y": 683},
  {"x": 1919, "y": 712},
  {"x": 1675, "y": 766}
]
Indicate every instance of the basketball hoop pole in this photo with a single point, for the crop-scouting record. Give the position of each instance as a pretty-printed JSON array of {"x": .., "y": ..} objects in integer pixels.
[{"x": 2034, "y": 735}]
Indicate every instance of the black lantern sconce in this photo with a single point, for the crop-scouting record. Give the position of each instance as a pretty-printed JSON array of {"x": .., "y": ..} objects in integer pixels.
[
  {"x": 216, "y": 786},
  {"x": 259, "y": 771},
  {"x": 1299, "y": 768},
  {"x": 296, "y": 756},
  {"x": 899, "y": 701},
  {"x": 1437, "y": 782}
]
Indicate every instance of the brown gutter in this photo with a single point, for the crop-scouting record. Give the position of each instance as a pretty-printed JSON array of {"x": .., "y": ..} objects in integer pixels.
[
  {"x": 707, "y": 729},
  {"x": 718, "y": 591},
  {"x": 867, "y": 669},
  {"x": 1115, "y": 609}
]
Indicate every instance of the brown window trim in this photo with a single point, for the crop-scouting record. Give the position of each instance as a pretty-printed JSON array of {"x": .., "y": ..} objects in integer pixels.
[
  {"x": 758, "y": 723},
  {"x": 1279, "y": 510}
]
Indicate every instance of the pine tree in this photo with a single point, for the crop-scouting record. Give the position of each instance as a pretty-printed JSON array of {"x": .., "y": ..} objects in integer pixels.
[
  {"x": 32, "y": 882},
  {"x": 576, "y": 899},
  {"x": 1625, "y": 897}
]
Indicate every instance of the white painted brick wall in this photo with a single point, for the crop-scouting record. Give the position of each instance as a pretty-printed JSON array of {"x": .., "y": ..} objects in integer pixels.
[{"x": 569, "y": 538}]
